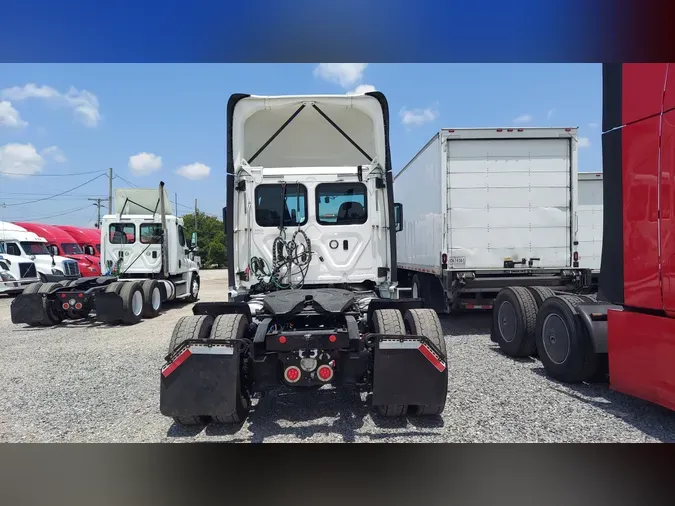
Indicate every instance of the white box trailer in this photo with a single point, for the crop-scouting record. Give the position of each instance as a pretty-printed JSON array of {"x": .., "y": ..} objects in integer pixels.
[
  {"x": 590, "y": 220},
  {"x": 486, "y": 208}
]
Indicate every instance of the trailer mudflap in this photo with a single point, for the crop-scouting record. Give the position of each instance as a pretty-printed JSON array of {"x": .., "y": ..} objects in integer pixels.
[
  {"x": 201, "y": 379},
  {"x": 28, "y": 308},
  {"x": 408, "y": 370},
  {"x": 109, "y": 307}
]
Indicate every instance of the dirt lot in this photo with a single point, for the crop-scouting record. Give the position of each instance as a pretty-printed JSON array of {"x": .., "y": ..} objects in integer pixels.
[{"x": 97, "y": 383}]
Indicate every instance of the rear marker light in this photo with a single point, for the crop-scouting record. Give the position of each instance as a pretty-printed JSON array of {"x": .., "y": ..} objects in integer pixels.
[
  {"x": 282, "y": 339},
  {"x": 332, "y": 339},
  {"x": 80, "y": 295},
  {"x": 444, "y": 258},
  {"x": 63, "y": 295},
  {"x": 292, "y": 374},
  {"x": 576, "y": 256},
  {"x": 325, "y": 373}
]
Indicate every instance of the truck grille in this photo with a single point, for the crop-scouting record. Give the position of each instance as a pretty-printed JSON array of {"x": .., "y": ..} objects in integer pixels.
[
  {"x": 71, "y": 269},
  {"x": 27, "y": 270}
]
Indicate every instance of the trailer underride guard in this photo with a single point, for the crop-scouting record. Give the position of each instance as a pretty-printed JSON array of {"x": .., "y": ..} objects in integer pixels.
[{"x": 313, "y": 298}]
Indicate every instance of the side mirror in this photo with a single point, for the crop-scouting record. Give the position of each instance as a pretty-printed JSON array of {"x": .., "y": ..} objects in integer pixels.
[
  {"x": 398, "y": 217},
  {"x": 193, "y": 241}
]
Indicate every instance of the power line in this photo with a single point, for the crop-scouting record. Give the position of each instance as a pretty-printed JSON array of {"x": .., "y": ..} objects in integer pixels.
[
  {"x": 69, "y": 211},
  {"x": 51, "y": 175},
  {"x": 33, "y": 194},
  {"x": 117, "y": 176},
  {"x": 55, "y": 195}
]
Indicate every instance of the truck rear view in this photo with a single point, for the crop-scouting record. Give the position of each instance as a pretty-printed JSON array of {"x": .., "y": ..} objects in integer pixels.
[{"x": 489, "y": 208}]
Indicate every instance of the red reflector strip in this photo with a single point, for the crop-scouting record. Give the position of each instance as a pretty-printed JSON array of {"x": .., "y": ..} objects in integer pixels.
[
  {"x": 431, "y": 357},
  {"x": 178, "y": 361},
  {"x": 478, "y": 306}
]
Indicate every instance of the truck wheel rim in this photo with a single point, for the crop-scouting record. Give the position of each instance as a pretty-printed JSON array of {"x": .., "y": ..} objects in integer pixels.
[
  {"x": 137, "y": 302},
  {"x": 556, "y": 338},
  {"x": 195, "y": 288},
  {"x": 507, "y": 321},
  {"x": 156, "y": 299}
]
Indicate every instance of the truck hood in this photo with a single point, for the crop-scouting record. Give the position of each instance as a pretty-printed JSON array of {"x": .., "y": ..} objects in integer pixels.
[{"x": 308, "y": 131}]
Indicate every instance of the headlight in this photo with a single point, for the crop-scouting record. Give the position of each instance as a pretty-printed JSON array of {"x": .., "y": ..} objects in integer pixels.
[
  {"x": 57, "y": 272},
  {"x": 7, "y": 276}
]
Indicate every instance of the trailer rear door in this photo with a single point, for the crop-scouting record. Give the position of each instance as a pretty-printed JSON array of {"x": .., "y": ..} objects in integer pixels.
[{"x": 509, "y": 199}]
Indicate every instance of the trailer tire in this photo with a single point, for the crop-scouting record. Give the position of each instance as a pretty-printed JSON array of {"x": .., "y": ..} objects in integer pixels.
[
  {"x": 389, "y": 321},
  {"x": 540, "y": 294},
  {"x": 514, "y": 317},
  {"x": 429, "y": 289},
  {"x": 132, "y": 302},
  {"x": 152, "y": 298},
  {"x": 425, "y": 322},
  {"x": 563, "y": 344},
  {"x": 190, "y": 327},
  {"x": 49, "y": 317},
  {"x": 233, "y": 326}
]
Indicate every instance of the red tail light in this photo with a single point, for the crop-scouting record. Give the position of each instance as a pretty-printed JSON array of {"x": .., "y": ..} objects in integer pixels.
[
  {"x": 282, "y": 339},
  {"x": 80, "y": 295},
  {"x": 65, "y": 305},
  {"x": 292, "y": 374},
  {"x": 78, "y": 306},
  {"x": 63, "y": 295},
  {"x": 332, "y": 339},
  {"x": 325, "y": 372}
]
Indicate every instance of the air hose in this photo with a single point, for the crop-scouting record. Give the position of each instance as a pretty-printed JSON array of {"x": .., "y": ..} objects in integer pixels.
[{"x": 290, "y": 258}]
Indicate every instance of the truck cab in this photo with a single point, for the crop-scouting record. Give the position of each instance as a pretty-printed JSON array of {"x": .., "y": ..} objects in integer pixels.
[
  {"x": 134, "y": 244},
  {"x": 310, "y": 204},
  {"x": 89, "y": 239},
  {"x": 61, "y": 243},
  {"x": 29, "y": 246},
  {"x": 15, "y": 272}
]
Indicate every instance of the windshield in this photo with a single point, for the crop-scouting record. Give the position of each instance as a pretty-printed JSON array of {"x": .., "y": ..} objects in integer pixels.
[
  {"x": 35, "y": 248},
  {"x": 70, "y": 248}
]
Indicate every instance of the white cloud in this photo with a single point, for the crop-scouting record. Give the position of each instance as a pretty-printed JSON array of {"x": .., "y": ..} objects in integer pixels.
[
  {"x": 361, "y": 89},
  {"x": 584, "y": 142},
  {"x": 18, "y": 160},
  {"x": 194, "y": 171},
  {"x": 550, "y": 113},
  {"x": 344, "y": 74},
  {"x": 417, "y": 117},
  {"x": 55, "y": 153},
  {"x": 84, "y": 104},
  {"x": 9, "y": 116},
  {"x": 523, "y": 118},
  {"x": 144, "y": 163},
  {"x": 593, "y": 124}
]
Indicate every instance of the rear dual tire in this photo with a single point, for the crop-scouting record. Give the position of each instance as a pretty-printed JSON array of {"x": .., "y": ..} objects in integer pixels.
[
  {"x": 49, "y": 316},
  {"x": 415, "y": 322},
  {"x": 231, "y": 326}
]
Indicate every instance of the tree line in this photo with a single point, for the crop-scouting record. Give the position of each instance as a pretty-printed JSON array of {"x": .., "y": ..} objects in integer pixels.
[{"x": 211, "y": 239}]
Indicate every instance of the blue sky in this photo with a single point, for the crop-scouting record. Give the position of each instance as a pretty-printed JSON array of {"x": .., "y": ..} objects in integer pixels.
[{"x": 153, "y": 122}]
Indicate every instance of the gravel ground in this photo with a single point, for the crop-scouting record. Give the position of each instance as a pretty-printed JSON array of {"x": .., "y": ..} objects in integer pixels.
[{"x": 87, "y": 382}]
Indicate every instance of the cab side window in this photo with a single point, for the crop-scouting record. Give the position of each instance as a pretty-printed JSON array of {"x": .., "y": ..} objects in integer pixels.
[
  {"x": 181, "y": 236},
  {"x": 13, "y": 249}
]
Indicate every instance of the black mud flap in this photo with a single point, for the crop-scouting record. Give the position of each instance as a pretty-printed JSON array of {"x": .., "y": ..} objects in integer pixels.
[
  {"x": 200, "y": 380},
  {"x": 28, "y": 308},
  {"x": 108, "y": 307},
  {"x": 408, "y": 370}
]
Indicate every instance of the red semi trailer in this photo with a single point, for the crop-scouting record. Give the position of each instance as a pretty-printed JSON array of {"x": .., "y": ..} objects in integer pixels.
[{"x": 629, "y": 332}]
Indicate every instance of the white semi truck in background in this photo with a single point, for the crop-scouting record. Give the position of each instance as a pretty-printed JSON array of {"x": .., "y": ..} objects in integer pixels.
[{"x": 487, "y": 208}]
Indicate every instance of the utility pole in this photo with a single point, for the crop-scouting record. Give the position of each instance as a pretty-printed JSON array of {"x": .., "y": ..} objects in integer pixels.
[
  {"x": 98, "y": 214},
  {"x": 195, "y": 215},
  {"x": 110, "y": 190},
  {"x": 175, "y": 203}
]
